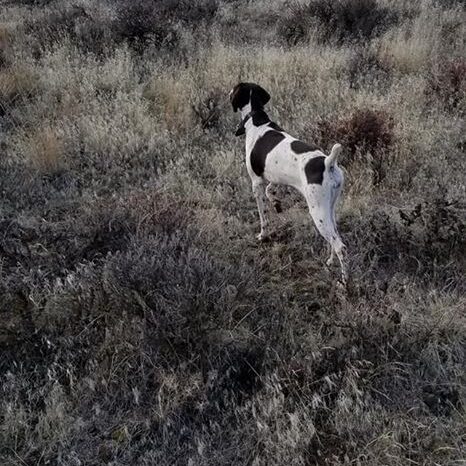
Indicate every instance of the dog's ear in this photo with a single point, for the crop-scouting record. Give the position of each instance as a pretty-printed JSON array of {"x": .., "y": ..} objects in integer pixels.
[
  {"x": 259, "y": 97},
  {"x": 241, "y": 129},
  {"x": 239, "y": 96}
]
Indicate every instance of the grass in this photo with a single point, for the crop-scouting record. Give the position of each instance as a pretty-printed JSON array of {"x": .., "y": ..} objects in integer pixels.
[{"x": 141, "y": 321}]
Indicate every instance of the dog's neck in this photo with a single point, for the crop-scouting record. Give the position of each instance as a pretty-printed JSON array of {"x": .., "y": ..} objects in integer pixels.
[
  {"x": 245, "y": 119},
  {"x": 259, "y": 118},
  {"x": 251, "y": 125},
  {"x": 246, "y": 110}
]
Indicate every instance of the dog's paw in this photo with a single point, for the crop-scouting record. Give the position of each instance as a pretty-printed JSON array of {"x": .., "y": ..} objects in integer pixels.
[
  {"x": 263, "y": 237},
  {"x": 342, "y": 282}
]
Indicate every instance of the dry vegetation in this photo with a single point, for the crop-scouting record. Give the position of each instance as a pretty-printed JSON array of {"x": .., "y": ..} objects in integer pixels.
[{"x": 141, "y": 323}]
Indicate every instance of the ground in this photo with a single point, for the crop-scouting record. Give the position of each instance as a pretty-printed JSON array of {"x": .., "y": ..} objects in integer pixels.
[{"x": 141, "y": 322}]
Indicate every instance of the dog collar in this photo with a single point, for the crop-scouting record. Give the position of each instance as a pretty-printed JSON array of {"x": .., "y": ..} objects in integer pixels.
[
  {"x": 246, "y": 119},
  {"x": 241, "y": 128}
]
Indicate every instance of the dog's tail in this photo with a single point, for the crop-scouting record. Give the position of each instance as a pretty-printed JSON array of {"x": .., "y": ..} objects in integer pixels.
[{"x": 331, "y": 160}]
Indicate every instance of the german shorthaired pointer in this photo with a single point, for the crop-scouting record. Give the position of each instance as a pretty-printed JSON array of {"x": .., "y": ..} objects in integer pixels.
[{"x": 274, "y": 157}]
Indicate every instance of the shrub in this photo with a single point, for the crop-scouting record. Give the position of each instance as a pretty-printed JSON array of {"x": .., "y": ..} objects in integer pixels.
[
  {"x": 208, "y": 109},
  {"x": 43, "y": 150},
  {"x": 423, "y": 240},
  {"x": 437, "y": 228},
  {"x": 16, "y": 85},
  {"x": 3, "y": 59},
  {"x": 142, "y": 22},
  {"x": 187, "y": 11},
  {"x": 35, "y": 254},
  {"x": 186, "y": 289},
  {"x": 447, "y": 83},
  {"x": 139, "y": 24},
  {"x": 367, "y": 130},
  {"x": 5, "y": 39},
  {"x": 295, "y": 27},
  {"x": 340, "y": 21},
  {"x": 82, "y": 28},
  {"x": 124, "y": 282},
  {"x": 37, "y": 3},
  {"x": 364, "y": 131},
  {"x": 451, "y": 3},
  {"x": 366, "y": 68}
]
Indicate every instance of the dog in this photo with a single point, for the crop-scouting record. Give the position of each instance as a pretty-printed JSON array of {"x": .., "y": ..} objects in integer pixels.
[{"x": 273, "y": 157}]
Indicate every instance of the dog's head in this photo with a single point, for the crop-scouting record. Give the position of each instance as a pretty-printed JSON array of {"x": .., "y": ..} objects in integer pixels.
[{"x": 248, "y": 93}]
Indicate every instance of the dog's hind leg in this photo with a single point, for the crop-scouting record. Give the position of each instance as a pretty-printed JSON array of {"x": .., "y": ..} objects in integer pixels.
[
  {"x": 321, "y": 212},
  {"x": 328, "y": 231},
  {"x": 271, "y": 194},
  {"x": 331, "y": 258},
  {"x": 335, "y": 196}
]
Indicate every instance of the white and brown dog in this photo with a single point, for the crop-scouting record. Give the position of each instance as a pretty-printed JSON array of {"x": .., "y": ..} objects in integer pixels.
[{"x": 274, "y": 157}]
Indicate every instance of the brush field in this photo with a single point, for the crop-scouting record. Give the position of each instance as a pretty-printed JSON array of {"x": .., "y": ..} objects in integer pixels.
[{"x": 140, "y": 321}]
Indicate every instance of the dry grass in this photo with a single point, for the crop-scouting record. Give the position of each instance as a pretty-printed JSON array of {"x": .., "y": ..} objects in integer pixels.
[
  {"x": 142, "y": 323},
  {"x": 43, "y": 150},
  {"x": 16, "y": 85}
]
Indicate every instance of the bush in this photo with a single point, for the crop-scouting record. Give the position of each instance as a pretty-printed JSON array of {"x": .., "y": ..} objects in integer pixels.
[
  {"x": 5, "y": 40},
  {"x": 364, "y": 132},
  {"x": 208, "y": 109},
  {"x": 75, "y": 235},
  {"x": 16, "y": 86},
  {"x": 367, "y": 130},
  {"x": 339, "y": 21},
  {"x": 36, "y": 3},
  {"x": 187, "y": 291},
  {"x": 366, "y": 68},
  {"x": 447, "y": 83},
  {"x": 143, "y": 22},
  {"x": 121, "y": 295},
  {"x": 188, "y": 12},
  {"x": 82, "y": 28},
  {"x": 451, "y": 3},
  {"x": 437, "y": 228},
  {"x": 44, "y": 150},
  {"x": 295, "y": 27},
  {"x": 424, "y": 240},
  {"x": 139, "y": 24}
]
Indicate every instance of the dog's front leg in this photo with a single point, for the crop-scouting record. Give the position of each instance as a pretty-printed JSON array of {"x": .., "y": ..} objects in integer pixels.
[{"x": 258, "y": 188}]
